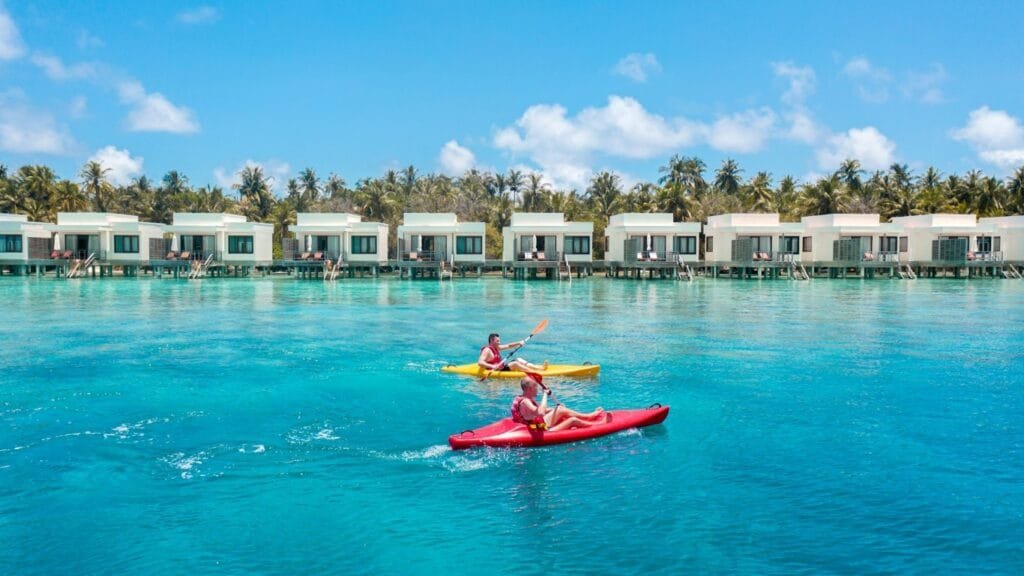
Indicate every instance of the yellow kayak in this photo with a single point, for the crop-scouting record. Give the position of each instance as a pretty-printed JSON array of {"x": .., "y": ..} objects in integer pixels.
[{"x": 578, "y": 370}]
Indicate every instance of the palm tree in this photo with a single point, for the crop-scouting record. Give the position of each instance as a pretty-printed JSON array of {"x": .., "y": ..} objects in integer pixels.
[
  {"x": 96, "y": 186},
  {"x": 786, "y": 199},
  {"x": 849, "y": 174},
  {"x": 1015, "y": 191},
  {"x": 643, "y": 197},
  {"x": 533, "y": 196},
  {"x": 282, "y": 216},
  {"x": 760, "y": 196},
  {"x": 727, "y": 178},
  {"x": 335, "y": 187},
  {"x": 310, "y": 186},
  {"x": 990, "y": 198},
  {"x": 255, "y": 197},
  {"x": 68, "y": 197},
  {"x": 375, "y": 200},
  {"x": 826, "y": 196},
  {"x": 35, "y": 184},
  {"x": 604, "y": 194},
  {"x": 515, "y": 182}
]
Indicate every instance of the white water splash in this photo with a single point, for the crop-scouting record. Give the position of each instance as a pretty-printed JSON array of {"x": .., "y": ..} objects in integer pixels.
[
  {"x": 186, "y": 464},
  {"x": 255, "y": 449}
]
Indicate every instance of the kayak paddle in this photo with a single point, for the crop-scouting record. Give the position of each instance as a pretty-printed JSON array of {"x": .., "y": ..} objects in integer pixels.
[{"x": 537, "y": 330}]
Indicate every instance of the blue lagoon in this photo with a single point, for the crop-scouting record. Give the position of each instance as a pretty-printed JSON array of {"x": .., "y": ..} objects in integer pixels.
[{"x": 275, "y": 426}]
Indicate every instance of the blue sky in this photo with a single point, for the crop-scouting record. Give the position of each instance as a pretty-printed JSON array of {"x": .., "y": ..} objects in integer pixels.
[{"x": 562, "y": 88}]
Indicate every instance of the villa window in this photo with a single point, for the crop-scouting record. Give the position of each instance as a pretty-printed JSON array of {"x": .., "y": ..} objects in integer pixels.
[
  {"x": 240, "y": 245},
  {"x": 710, "y": 244},
  {"x": 684, "y": 244},
  {"x": 126, "y": 244},
  {"x": 790, "y": 244},
  {"x": 904, "y": 244},
  {"x": 10, "y": 243},
  {"x": 988, "y": 244},
  {"x": 888, "y": 244},
  {"x": 469, "y": 245},
  {"x": 807, "y": 244},
  {"x": 577, "y": 244},
  {"x": 364, "y": 244}
]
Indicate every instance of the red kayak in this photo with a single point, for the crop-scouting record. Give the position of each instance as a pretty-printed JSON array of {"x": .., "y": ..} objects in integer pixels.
[{"x": 508, "y": 434}]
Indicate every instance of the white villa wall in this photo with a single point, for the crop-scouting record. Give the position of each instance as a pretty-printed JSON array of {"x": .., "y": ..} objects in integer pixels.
[
  {"x": 725, "y": 228},
  {"x": 222, "y": 227},
  {"x": 621, "y": 227},
  {"x": 1010, "y": 229},
  {"x": 922, "y": 230},
  {"x": 18, "y": 225},
  {"x": 545, "y": 224},
  {"x": 344, "y": 226},
  {"x": 105, "y": 226},
  {"x": 444, "y": 224}
]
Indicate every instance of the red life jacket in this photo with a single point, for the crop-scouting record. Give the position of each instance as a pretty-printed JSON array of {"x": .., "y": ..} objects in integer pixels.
[
  {"x": 495, "y": 351},
  {"x": 536, "y": 423}
]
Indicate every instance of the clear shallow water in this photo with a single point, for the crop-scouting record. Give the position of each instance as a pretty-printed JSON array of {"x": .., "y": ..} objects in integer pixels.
[{"x": 277, "y": 426}]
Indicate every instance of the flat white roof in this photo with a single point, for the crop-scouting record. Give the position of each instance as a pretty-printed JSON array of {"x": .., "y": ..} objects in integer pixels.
[
  {"x": 206, "y": 219},
  {"x": 651, "y": 223},
  {"x": 92, "y": 218},
  {"x": 326, "y": 219},
  {"x": 841, "y": 220},
  {"x": 430, "y": 219},
  {"x": 937, "y": 221},
  {"x": 1002, "y": 222},
  {"x": 5, "y": 217}
]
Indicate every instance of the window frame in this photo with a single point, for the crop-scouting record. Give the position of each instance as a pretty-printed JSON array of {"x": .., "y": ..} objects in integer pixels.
[{"x": 241, "y": 244}]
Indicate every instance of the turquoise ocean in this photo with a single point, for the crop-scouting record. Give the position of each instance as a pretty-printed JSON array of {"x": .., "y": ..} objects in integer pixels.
[{"x": 276, "y": 426}]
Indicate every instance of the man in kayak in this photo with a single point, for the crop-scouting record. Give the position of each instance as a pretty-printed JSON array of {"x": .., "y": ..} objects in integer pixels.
[
  {"x": 525, "y": 410},
  {"x": 490, "y": 357}
]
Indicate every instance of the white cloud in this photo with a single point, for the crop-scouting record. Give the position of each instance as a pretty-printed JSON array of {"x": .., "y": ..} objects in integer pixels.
[
  {"x": 200, "y": 15},
  {"x": 802, "y": 82},
  {"x": 743, "y": 132},
  {"x": 637, "y": 66},
  {"x": 872, "y": 81},
  {"x": 77, "y": 107},
  {"x": 11, "y": 46},
  {"x": 26, "y": 130},
  {"x": 997, "y": 137},
  {"x": 276, "y": 170},
  {"x": 87, "y": 40},
  {"x": 152, "y": 112},
  {"x": 868, "y": 145},
  {"x": 803, "y": 128},
  {"x": 455, "y": 159},
  {"x": 122, "y": 165},
  {"x": 562, "y": 146},
  {"x": 56, "y": 70},
  {"x": 925, "y": 86}
]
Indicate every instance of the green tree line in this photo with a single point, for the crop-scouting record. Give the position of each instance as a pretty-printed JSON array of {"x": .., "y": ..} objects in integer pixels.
[{"x": 685, "y": 188}]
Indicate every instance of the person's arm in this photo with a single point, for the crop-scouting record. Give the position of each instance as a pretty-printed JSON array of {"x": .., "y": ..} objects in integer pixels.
[
  {"x": 529, "y": 410},
  {"x": 512, "y": 345}
]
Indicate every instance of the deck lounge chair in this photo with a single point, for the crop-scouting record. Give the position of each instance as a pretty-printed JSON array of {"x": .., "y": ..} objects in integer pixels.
[
  {"x": 55, "y": 255},
  {"x": 640, "y": 257},
  {"x": 304, "y": 256},
  {"x": 869, "y": 257},
  {"x": 653, "y": 256},
  {"x": 171, "y": 255},
  {"x": 526, "y": 256},
  {"x": 970, "y": 255},
  {"x": 414, "y": 256},
  {"x": 539, "y": 256},
  {"x": 318, "y": 256},
  {"x": 185, "y": 255},
  {"x": 67, "y": 255},
  {"x": 765, "y": 257}
]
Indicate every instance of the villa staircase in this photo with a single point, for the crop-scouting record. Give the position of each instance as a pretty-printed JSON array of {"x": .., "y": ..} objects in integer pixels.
[
  {"x": 331, "y": 270},
  {"x": 684, "y": 271},
  {"x": 80, "y": 267},
  {"x": 797, "y": 271},
  {"x": 1011, "y": 271},
  {"x": 446, "y": 269},
  {"x": 906, "y": 272},
  {"x": 199, "y": 268},
  {"x": 564, "y": 270}
]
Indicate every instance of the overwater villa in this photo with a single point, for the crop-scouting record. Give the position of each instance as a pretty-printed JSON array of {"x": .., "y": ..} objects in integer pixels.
[
  {"x": 757, "y": 245},
  {"x": 955, "y": 243},
  {"x": 547, "y": 244},
  {"x": 25, "y": 246},
  {"x": 99, "y": 241},
  {"x": 1007, "y": 240},
  {"x": 214, "y": 243},
  {"x": 436, "y": 244},
  {"x": 858, "y": 244},
  {"x": 331, "y": 243},
  {"x": 638, "y": 242}
]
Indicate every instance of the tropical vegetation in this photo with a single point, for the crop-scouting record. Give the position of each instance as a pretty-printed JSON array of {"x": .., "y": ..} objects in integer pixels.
[{"x": 685, "y": 188}]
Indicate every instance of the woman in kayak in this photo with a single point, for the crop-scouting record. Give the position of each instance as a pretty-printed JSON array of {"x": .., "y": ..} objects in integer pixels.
[
  {"x": 490, "y": 357},
  {"x": 525, "y": 410}
]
